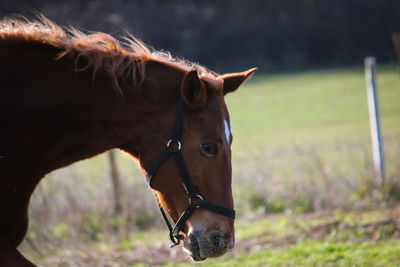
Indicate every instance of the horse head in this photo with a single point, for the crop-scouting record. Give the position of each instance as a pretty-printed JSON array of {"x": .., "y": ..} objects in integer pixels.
[{"x": 194, "y": 133}]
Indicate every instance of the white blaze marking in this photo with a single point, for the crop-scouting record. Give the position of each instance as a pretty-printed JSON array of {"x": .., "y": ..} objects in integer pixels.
[{"x": 227, "y": 132}]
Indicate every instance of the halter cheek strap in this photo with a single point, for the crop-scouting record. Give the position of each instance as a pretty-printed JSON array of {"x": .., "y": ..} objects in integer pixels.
[{"x": 196, "y": 201}]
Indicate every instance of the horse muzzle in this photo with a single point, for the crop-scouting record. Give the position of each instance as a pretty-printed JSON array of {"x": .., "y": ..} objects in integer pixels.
[{"x": 201, "y": 245}]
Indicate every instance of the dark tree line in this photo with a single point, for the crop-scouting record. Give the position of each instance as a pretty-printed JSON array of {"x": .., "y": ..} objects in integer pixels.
[{"x": 234, "y": 34}]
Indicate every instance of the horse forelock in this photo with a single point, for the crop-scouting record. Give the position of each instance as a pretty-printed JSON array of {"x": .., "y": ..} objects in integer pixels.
[{"x": 118, "y": 58}]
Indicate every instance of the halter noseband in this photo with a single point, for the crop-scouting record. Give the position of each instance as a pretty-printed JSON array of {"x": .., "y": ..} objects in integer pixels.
[{"x": 174, "y": 232}]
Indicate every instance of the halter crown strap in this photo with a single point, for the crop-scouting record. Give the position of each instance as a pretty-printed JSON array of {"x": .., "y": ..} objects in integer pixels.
[{"x": 174, "y": 232}]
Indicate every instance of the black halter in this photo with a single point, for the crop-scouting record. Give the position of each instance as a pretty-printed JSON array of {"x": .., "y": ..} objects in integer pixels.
[{"x": 174, "y": 232}]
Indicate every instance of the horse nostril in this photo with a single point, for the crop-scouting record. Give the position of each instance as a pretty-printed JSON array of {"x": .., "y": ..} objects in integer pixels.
[{"x": 217, "y": 239}]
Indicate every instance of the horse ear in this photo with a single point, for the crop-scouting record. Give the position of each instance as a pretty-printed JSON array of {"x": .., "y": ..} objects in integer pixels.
[
  {"x": 232, "y": 81},
  {"x": 194, "y": 91}
]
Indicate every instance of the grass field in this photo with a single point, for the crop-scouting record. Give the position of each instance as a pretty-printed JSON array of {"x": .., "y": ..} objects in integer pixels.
[
  {"x": 330, "y": 238},
  {"x": 307, "y": 134},
  {"x": 301, "y": 147}
]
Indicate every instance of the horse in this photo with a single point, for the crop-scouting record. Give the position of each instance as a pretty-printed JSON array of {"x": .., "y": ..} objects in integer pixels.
[{"x": 68, "y": 95}]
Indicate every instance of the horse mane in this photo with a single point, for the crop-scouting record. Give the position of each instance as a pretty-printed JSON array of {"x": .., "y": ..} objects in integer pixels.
[{"x": 118, "y": 58}]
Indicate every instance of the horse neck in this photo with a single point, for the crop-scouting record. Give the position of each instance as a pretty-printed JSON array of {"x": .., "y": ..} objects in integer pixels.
[{"x": 65, "y": 115}]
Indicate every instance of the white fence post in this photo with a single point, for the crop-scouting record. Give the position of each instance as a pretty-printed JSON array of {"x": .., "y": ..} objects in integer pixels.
[{"x": 373, "y": 108}]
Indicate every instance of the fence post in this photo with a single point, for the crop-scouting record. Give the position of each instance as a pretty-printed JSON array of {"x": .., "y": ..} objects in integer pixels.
[
  {"x": 115, "y": 182},
  {"x": 376, "y": 138}
]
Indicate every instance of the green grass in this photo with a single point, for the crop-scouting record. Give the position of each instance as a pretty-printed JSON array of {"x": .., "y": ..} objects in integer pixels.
[
  {"x": 367, "y": 238},
  {"x": 330, "y": 238},
  {"x": 319, "y": 253},
  {"x": 273, "y": 110},
  {"x": 308, "y": 134}
]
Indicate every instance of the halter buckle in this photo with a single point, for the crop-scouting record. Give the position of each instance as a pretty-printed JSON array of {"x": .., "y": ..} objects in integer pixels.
[
  {"x": 194, "y": 196},
  {"x": 178, "y": 143}
]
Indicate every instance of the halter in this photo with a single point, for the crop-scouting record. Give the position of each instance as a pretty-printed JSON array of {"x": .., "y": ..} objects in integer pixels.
[{"x": 196, "y": 201}]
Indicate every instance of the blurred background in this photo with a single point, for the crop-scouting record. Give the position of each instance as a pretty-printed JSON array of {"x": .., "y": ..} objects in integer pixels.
[
  {"x": 233, "y": 35},
  {"x": 302, "y": 158}
]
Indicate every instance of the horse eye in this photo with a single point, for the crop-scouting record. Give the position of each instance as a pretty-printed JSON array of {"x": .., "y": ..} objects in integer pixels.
[{"x": 209, "y": 149}]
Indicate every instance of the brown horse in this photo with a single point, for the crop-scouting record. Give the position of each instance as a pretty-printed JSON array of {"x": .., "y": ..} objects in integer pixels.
[{"x": 66, "y": 96}]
